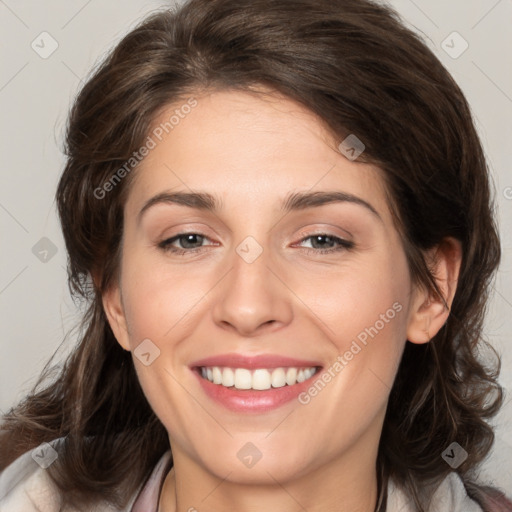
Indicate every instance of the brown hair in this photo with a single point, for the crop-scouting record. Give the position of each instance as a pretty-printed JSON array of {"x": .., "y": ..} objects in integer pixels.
[{"x": 354, "y": 64}]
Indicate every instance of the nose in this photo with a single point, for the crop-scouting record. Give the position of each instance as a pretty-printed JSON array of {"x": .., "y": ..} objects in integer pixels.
[{"x": 253, "y": 297}]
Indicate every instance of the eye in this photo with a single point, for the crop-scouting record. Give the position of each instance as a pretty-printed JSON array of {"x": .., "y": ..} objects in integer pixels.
[
  {"x": 327, "y": 243},
  {"x": 193, "y": 242},
  {"x": 190, "y": 242}
]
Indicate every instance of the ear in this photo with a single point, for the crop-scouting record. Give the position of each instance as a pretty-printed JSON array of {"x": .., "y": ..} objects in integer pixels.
[
  {"x": 429, "y": 313},
  {"x": 114, "y": 310}
]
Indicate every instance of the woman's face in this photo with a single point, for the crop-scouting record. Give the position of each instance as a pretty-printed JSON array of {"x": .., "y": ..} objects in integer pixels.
[{"x": 253, "y": 279}]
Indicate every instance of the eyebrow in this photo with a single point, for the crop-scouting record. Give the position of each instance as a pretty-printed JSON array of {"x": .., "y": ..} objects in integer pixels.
[{"x": 294, "y": 201}]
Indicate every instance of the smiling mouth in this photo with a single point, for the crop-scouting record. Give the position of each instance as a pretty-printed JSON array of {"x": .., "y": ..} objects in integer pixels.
[{"x": 256, "y": 379}]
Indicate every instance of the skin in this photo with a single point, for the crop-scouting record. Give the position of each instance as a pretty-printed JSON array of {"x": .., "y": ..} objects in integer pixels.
[{"x": 253, "y": 151}]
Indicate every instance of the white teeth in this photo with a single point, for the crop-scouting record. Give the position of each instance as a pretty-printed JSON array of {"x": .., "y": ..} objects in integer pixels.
[
  {"x": 243, "y": 378},
  {"x": 217, "y": 375},
  {"x": 278, "y": 378},
  {"x": 259, "y": 379},
  {"x": 228, "y": 377},
  {"x": 291, "y": 376}
]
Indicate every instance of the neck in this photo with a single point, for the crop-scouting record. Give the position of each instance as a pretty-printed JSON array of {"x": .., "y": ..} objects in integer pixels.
[{"x": 345, "y": 484}]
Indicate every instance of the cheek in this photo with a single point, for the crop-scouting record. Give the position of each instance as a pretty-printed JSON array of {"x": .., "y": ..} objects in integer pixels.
[
  {"x": 363, "y": 313},
  {"x": 371, "y": 293},
  {"x": 159, "y": 299}
]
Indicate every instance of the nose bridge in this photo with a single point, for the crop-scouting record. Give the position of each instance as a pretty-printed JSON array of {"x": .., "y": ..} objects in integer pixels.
[{"x": 251, "y": 294}]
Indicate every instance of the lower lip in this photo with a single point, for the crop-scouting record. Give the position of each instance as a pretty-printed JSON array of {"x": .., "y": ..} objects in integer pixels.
[{"x": 250, "y": 400}]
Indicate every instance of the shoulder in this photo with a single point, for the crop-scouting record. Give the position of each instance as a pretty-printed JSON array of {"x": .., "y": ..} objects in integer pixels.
[
  {"x": 26, "y": 486},
  {"x": 450, "y": 494}
]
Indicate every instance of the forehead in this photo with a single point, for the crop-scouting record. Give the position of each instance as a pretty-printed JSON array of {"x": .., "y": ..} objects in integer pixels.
[{"x": 248, "y": 149}]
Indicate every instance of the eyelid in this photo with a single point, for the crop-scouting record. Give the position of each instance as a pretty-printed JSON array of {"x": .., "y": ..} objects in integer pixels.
[
  {"x": 301, "y": 235},
  {"x": 329, "y": 230},
  {"x": 185, "y": 229}
]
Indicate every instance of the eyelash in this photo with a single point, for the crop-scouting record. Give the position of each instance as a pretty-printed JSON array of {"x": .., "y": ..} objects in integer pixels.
[{"x": 342, "y": 244}]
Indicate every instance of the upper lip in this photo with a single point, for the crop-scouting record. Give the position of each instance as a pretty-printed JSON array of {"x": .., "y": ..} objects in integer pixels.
[{"x": 234, "y": 360}]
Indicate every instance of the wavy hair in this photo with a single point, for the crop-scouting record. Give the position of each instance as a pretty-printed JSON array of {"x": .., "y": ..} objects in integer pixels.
[{"x": 359, "y": 69}]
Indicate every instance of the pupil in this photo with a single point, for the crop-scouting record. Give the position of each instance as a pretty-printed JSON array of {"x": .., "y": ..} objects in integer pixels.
[
  {"x": 320, "y": 238},
  {"x": 189, "y": 239}
]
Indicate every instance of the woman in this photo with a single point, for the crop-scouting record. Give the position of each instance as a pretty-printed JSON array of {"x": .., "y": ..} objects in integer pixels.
[{"x": 316, "y": 345}]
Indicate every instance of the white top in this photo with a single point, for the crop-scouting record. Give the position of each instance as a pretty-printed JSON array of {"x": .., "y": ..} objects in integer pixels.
[{"x": 26, "y": 487}]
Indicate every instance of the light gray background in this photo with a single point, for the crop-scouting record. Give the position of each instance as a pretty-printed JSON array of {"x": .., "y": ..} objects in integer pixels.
[{"x": 36, "y": 92}]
